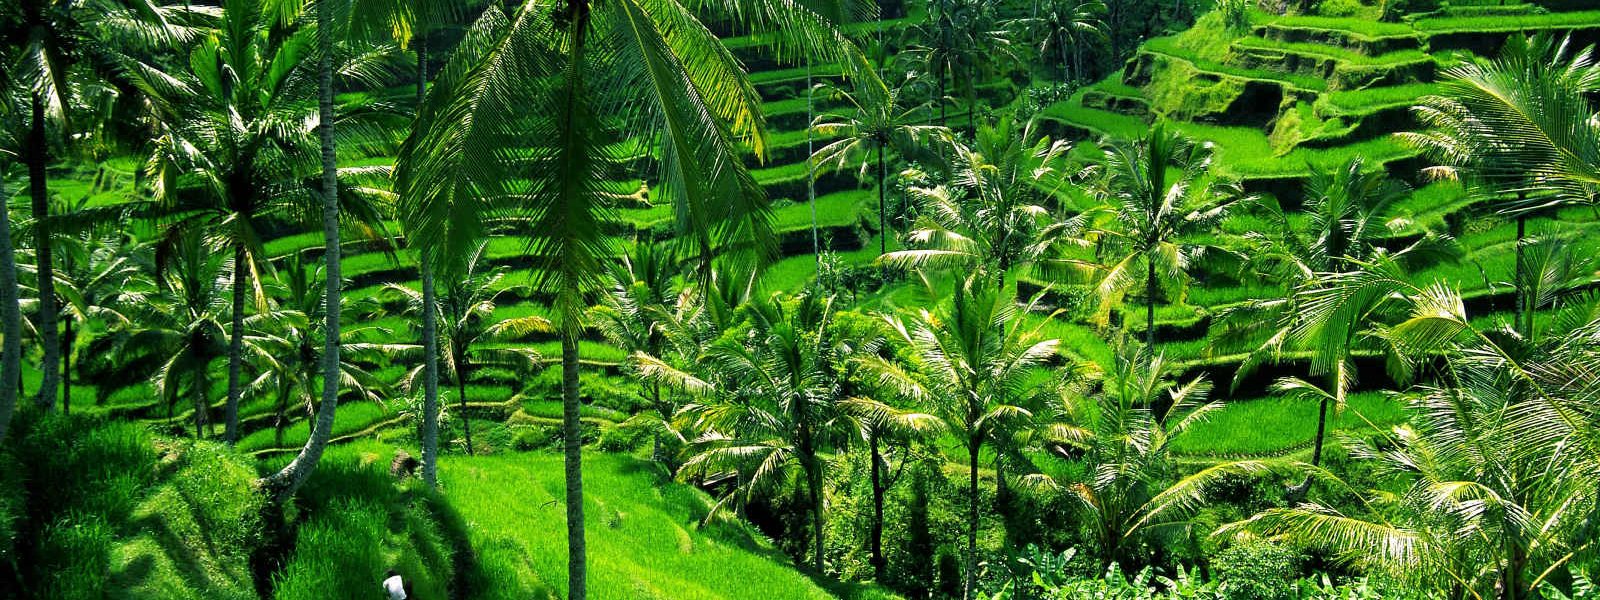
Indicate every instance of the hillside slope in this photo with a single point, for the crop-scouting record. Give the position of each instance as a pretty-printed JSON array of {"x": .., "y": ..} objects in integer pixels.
[{"x": 645, "y": 540}]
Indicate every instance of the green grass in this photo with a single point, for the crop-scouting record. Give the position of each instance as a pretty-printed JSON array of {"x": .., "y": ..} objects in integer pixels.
[
  {"x": 1168, "y": 48},
  {"x": 1102, "y": 122},
  {"x": 1334, "y": 52},
  {"x": 351, "y": 417},
  {"x": 644, "y": 534},
  {"x": 1366, "y": 101},
  {"x": 833, "y": 210},
  {"x": 1364, "y": 28},
  {"x": 1274, "y": 425},
  {"x": 1588, "y": 19}
]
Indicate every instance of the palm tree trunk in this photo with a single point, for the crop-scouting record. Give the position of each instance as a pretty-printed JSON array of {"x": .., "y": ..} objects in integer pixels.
[
  {"x": 572, "y": 442},
  {"x": 37, "y": 156},
  {"x": 811, "y": 167},
  {"x": 430, "y": 377},
  {"x": 10, "y": 322},
  {"x": 878, "y": 564},
  {"x": 814, "y": 475},
  {"x": 67, "y": 339},
  {"x": 1322, "y": 427},
  {"x": 284, "y": 483},
  {"x": 282, "y": 421},
  {"x": 1150, "y": 304},
  {"x": 969, "y": 584},
  {"x": 461, "y": 400},
  {"x": 201, "y": 404},
  {"x": 235, "y": 345},
  {"x": 1519, "y": 282},
  {"x": 1335, "y": 387},
  {"x": 883, "y": 184}
]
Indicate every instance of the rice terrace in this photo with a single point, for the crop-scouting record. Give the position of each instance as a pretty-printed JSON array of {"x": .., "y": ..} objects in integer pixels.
[{"x": 800, "y": 299}]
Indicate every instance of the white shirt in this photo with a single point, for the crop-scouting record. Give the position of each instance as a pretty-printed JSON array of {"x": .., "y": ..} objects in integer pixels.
[{"x": 395, "y": 587}]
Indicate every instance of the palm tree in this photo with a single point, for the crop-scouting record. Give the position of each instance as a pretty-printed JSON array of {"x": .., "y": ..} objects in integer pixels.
[
  {"x": 238, "y": 137},
  {"x": 643, "y": 318},
  {"x": 1520, "y": 125},
  {"x": 1066, "y": 26},
  {"x": 973, "y": 366},
  {"x": 1124, "y": 435},
  {"x": 286, "y": 352},
  {"x": 990, "y": 217},
  {"x": 576, "y": 76},
  {"x": 876, "y": 121},
  {"x": 1495, "y": 470},
  {"x": 1155, "y": 219},
  {"x": 1350, "y": 212},
  {"x": 965, "y": 39},
  {"x": 182, "y": 326},
  {"x": 470, "y": 330},
  {"x": 880, "y": 421},
  {"x": 99, "y": 279},
  {"x": 770, "y": 404},
  {"x": 10, "y": 310},
  {"x": 62, "y": 44}
]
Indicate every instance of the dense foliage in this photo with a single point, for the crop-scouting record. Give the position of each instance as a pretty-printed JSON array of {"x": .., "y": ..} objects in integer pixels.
[{"x": 1245, "y": 299}]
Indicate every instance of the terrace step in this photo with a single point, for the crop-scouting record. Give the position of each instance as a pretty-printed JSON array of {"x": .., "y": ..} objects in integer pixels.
[
  {"x": 1341, "y": 74},
  {"x": 1350, "y": 40},
  {"x": 1128, "y": 105}
]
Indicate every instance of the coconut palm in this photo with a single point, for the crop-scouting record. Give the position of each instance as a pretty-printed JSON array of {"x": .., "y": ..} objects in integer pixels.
[
  {"x": 875, "y": 122},
  {"x": 1065, "y": 27},
  {"x": 1521, "y": 126},
  {"x": 990, "y": 216},
  {"x": 238, "y": 141},
  {"x": 1124, "y": 434},
  {"x": 62, "y": 45},
  {"x": 1494, "y": 470},
  {"x": 99, "y": 280},
  {"x": 577, "y": 75},
  {"x": 182, "y": 325},
  {"x": 881, "y": 418},
  {"x": 643, "y": 318},
  {"x": 973, "y": 364},
  {"x": 10, "y": 309},
  {"x": 1350, "y": 213},
  {"x": 769, "y": 406},
  {"x": 473, "y": 337},
  {"x": 963, "y": 39},
  {"x": 1161, "y": 197},
  {"x": 287, "y": 351}
]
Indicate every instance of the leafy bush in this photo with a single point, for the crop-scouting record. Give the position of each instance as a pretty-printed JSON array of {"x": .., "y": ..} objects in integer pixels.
[
  {"x": 1236, "y": 14},
  {"x": 1257, "y": 571}
]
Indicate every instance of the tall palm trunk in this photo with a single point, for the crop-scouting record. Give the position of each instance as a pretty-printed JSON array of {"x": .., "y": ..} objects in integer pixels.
[
  {"x": 284, "y": 483},
  {"x": 67, "y": 340},
  {"x": 1524, "y": 323},
  {"x": 1336, "y": 381},
  {"x": 883, "y": 184},
  {"x": 202, "y": 405},
  {"x": 1150, "y": 304},
  {"x": 969, "y": 581},
  {"x": 430, "y": 377},
  {"x": 878, "y": 564},
  {"x": 814, "y": 484},
  {"x": 10, "y": 322},
  {"x": 572, "y": 442},
  {"x": 235, "y": 345},
  {"x": 37, "y": 156},
  {"x": 430, "y": 320},
  {"x": 461, "y": 399},
  {"x": 811, "y": 167}
]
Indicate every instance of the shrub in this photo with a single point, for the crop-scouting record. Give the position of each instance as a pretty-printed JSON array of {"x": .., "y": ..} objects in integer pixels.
[{"x": 1257, "y": 571}]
